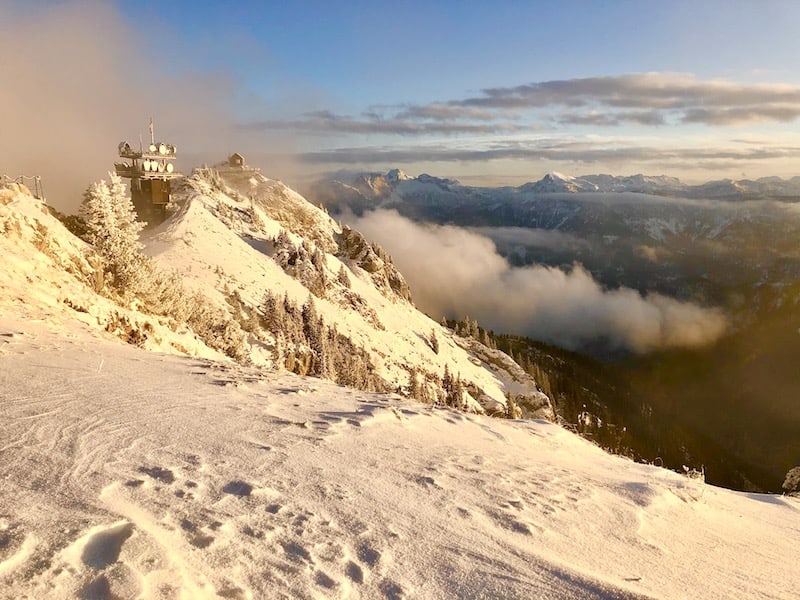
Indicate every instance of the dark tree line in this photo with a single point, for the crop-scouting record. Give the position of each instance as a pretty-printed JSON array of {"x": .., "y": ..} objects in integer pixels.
[{"x": 306, "y": 345}]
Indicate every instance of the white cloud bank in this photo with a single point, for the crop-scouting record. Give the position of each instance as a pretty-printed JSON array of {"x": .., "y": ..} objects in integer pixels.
[{"x": 456, "y": 272}]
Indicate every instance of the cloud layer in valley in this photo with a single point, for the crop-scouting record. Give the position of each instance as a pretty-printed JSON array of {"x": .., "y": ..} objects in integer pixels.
[{"x": 456, "y": 272}]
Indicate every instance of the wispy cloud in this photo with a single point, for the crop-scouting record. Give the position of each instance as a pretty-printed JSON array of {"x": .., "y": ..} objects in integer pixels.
[
  {"x": 598, "y": 118},
  {"x": 566, "y": 151},
  {"x": 446, "y": 112},
  {"x": 639, "y": 99},
  {"x": 327, "y": 123},
  {"x": 676, "y": 96}
]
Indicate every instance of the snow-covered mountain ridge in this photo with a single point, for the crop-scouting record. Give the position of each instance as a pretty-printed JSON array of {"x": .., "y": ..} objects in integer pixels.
[
  {"x": 249, "y": 235},
  {"x": 129, "y": 473},
  {"x": 381, "y": 186},
  {"x": 648, "y": 233},
  {"x": 240, "y": 239}
]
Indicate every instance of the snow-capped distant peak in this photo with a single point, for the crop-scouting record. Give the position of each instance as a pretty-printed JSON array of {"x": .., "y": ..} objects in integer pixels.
[
  {"x": 554, "y": 182},
  {"x": 555, "y": 175},
  {"x": 396, "y": 175}
]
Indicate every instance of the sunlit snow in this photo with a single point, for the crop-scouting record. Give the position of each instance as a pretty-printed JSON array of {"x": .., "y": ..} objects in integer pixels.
[{"x": 133, "y": 473}]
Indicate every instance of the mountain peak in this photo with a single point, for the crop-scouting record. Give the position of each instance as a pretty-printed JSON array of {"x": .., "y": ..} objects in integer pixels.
[
  {"x": 556, "y": 176},
  {"x": 396, "y": 175}
]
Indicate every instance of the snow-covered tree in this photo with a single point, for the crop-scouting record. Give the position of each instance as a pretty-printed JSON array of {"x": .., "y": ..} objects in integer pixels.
[
  {"x": 791, "y": 485},
  {"x": 343, "y": 277},
  {"x": 434, "y": 342},
  {"x": 112, "y": 228}
]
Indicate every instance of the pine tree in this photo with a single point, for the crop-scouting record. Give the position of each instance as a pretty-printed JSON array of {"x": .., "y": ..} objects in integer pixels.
[
  {"x": 434, "y": 342},
  {"x": 97, "y": 213},
  {"x": 413, "y": 384},
  {"x": 343, "y": 277},
  {"x": 457, "y": 394},
  {"x": 112, "y": 228}
]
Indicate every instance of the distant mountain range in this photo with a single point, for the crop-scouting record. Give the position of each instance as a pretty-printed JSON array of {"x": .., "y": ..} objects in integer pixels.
[
  {"x": 729, "y": 244},
  {"x": 652, "y": 233},
  {"x": 380, "y": 185}
]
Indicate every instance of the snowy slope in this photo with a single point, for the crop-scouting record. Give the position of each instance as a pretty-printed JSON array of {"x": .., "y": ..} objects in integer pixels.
[
  {"x": 129, "y": 474},
  {"x": 47, "y": 273},
  {"x": 222, "y": 238}
]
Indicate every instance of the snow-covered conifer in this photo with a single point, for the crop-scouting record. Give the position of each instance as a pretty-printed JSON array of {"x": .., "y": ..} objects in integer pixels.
[
  {"x": 791, "y": 485},
  {"x": 112, "y": 228},
  {"x": 342, "y": 277},
  {"x": 434, "y": 342}
]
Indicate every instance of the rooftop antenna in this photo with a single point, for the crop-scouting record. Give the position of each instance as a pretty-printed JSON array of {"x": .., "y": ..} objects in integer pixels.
[{"x": 152, "y": 135}]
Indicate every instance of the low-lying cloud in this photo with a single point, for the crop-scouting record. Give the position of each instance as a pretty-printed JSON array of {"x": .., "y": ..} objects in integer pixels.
[
  {"x": 527, "y": 237},
  {"x": 456, "y": 272}
]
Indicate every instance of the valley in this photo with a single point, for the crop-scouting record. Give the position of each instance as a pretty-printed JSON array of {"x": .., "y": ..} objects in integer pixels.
[{"x": 727, "y": 405}]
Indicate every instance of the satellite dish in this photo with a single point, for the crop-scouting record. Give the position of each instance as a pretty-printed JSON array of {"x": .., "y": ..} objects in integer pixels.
[
  {"x": 162, "y": 149},
  {"x": 146, "y": 165},
  {"x": 161, "y": 167},
  {"x": 170, "y": 168},
  {"x": 152, "y": 148}
]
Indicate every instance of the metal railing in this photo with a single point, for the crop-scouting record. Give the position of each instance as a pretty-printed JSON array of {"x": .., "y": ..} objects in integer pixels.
[{"x": 38, "y": 189}]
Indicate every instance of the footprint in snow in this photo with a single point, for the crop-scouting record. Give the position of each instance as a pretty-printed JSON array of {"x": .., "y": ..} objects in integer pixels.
[
  {"x": 238, "y": 488},
  {"x": 354, "y": 572},
  {"x": 159, "y": 473},
  {"x": 367, "y": 554},
  {"x": 103, "y": 548}
]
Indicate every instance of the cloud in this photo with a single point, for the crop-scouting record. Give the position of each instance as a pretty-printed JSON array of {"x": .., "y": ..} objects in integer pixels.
[
  {"x": 456, "y": 272},
  {"x": 643, "y": 99},
  {"x": 608, "y": 119},
  {"x": 680, "y": 95},
  {"x": 447, "y": 112},
  {"x": 532, "y": 238},
  {"x": 78, "y": 79},
  {"x": 554, "y": 150},
  {"x": 327, "y": 123}
]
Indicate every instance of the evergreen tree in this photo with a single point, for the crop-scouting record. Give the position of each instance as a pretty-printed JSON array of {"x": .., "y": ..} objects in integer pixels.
[
  {"x": 457, "y": 394},
  {"x": 342, "y": 277},
  {"x": 434, "y": 342},
  {"x": 791, "y": 485},
  {"x": 112, "y": 228},
  {"x": 413, "y": 384}
]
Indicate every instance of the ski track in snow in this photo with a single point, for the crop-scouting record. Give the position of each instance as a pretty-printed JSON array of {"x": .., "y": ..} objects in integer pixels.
[{"x": 127, "y": 474}]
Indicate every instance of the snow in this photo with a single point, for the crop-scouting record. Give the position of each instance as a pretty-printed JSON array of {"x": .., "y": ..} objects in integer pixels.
[
  {"x": 170, "y": 472},
  {"x": 212, "y": 256},
  {"x": 131, "y": 474}
]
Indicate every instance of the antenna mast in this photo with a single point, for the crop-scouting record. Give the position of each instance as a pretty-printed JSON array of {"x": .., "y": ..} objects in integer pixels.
[{"x": 152, "y": 134}]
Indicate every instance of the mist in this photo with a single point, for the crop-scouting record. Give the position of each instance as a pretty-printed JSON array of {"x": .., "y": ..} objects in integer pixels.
[
  {"x": 532, "y": 237},
  {"x": 77, "y": 80},
  {"x": 456, "y": 272}
]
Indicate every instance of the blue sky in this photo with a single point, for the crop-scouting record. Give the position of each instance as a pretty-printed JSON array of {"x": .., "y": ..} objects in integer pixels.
[{"x": 488, "y": 92}]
